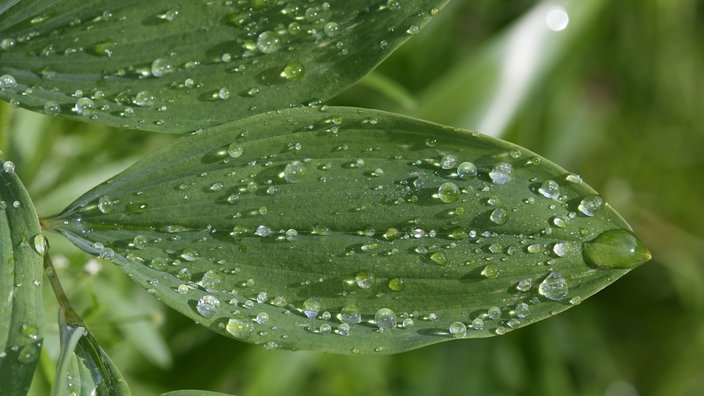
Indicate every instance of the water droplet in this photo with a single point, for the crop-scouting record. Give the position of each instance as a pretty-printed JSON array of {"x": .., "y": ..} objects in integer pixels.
[
  {"x": 268, "y": 42},
  {"x": 494, "y": 312},
  {"x": 8, "y": 167},
  {"x": 30, "y": 331},
  {"x": 490, "y": 271},
  {"x": 439, "y": 257},
  {"x": 311, "y": 307},
  {"x": 52, "y": 108},
  {"x": 550, "y": 189},
  {"x": 262, "y": 318},
  {"x": 182, "y": 289},
  {"x": 615, "y": 249},
  {"x": 524, "y": 285},
  {"x": 28, "y": 353},
  {"x": 7, "y": 81},
  {"x": 396, "y": 284},
  {"x": 351, "y": 314},
  {"x": 478, "y": 324},
  {"x": 413, "y": 29},
  {"x": 385, "y": 319},
  {"x": 449, "y": 192},
  {"x": 499, "y": 216},
  {"x": 40, "y": 244},
  {"x": 263, "y": 231},
  {"x": 161, "y": 67},
  {"x": 211, "y": 280},
  {"x": 343, "y": 329},
  {"x": 144, "y": 99},
  {"x": 293, "y": 71},
  {"x": 501, "y": 173},
  {"x": 590, "y": 205},
  {"x": 239, "y": 328},
  {"x": 84, "y": 107},
  {"x": 467, "y": 170},
  {"x": 190, "y": 254},
  {"x": 293, "y": 172},
  {"x": 561, "y": 249},
  {"x": 139, "y": 241},
  {"x": 448, "y": 161},
  {"x": 522, "y": 310},
  {"x": 208, "y": 305},
  {"x": 458, "y": 330},
  {"x": 364, "y": 279},
  {"x": 554, "y": 287},
  {"x": 331, "y": 29}
]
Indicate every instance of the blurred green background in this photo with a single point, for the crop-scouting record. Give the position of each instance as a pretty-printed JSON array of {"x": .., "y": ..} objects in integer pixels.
[{"x": 615, "y": 97}]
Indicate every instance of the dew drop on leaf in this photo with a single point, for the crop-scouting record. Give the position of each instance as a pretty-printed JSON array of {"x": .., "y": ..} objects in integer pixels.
[
  {"x": 554, "y": 287},
  {"x": 208, "y": 305},
  {"x": 467, "y": 170},
  {"x": 449, "y": 192},
  {"x": 590, "y": 205},
  {"x": 385, "y": 318},
  {"x": 615, "y": 249},
  {"x": 268, "y": 42},
  {"x": 458, "y": 329},
  {"x": 350, "y": 314},
  {"x": 550, "y": 189},
  {"x": 239, "y": 328},
  {"x": 311, "y": 307}
]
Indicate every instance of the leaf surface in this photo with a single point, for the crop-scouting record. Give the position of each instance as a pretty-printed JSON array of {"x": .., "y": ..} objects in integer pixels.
[
  {"x": 354, "y": 231},
  {"x": 21, "y": 313},
  {"x": 176, "y": 66}
]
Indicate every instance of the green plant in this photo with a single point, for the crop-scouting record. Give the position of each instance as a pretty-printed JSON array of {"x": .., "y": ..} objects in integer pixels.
[{"x": 381, "y": 233}]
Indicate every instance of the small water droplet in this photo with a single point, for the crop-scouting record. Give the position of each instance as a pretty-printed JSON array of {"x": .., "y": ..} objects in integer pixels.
[
  {"x": 30, "y": 331},
  {"x": 343, "y": 329},
  {"x": 499, "y": 216},
  {"x": 478, "y": 324},
  {"x": 396, "y": 284},
  {"x": 182, "y": 289},
  {"x": 293, "y": 172},
  {"x": 385, "y": 318},
  {"x": 51, "y": 108},
  {"x": 262, "y": 318},
  {"x": 554, "y": 287},
  {"x": 494, "y": 312},
  {"x": 84, "y": 107},
  {"x": 268, "y": 42},
  {"x": 449, "y": 192},
  {"x": 448, "y": 161},
  {"x": 524, "y": 285},
  {"x": 490, "y": 271},
  {"x": 161, "y": 67},
  {"x": 522, "y": 310},
  {"x": 8, "y": 167},
  {"x": 144, "y": 99},
  {"x": 550, "y": 189},
  {"x": 208, "y": 306},
  {"x": 7, "y": 81},
  {"x": 439, "y": 257},
  {"x": 239, "y": 328},
  {"x": 293, "y": 71},
  {"x": 467, "y": 170},
  {"x": 350, "y": 314},
  {"x": 615, "y": 249},
  {"x": 590, "y": 205},
  {"x": 311, "y": 307},
  {"x": 458, "y": 330},
  {"x": 364, "y": 279},
  {"x": 190, "y": 254},
  {"x": 40, "y": 244},
  {"x": 501, "y": 173}
]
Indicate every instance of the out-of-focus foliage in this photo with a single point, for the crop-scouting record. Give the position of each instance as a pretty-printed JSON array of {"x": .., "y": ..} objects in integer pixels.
[{"x": 620, "y": 106}]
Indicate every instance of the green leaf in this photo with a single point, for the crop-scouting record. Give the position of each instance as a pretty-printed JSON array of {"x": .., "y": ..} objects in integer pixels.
[
  {"x": 21, "y": 314},
  {"x": 350, "y": 230},
  {"x": 175, "y": 67},
  {"x": 83, "y": 367}
]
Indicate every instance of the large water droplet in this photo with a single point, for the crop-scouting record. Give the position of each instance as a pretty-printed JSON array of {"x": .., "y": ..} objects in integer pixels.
[
  {"x": 351, "y": 314},
  {"x": 268, "y": 42},
  {"x": 458, "y": 329},
  {"x": 161, "y": 67},
  {"x": 311, "y": 307},
  {"x": 554, "y": 287},
  {"x": 293, "y": 172},
  {"x": 8, "y": 167},
  {"x": 7, "y": 81},
  {"x": 501, "y": 173},
  {"x": 449, "y": 192},
  {"x": 615, "y": 249},
  {"x": 550, "y": 189},
  {"x": 385, "y": 319},
  {"x": 590, "y": 205},
  {"x": 239, "y": 328},
  {"x": 208, "y": 305},
  {"x": 467, "y": 170}
]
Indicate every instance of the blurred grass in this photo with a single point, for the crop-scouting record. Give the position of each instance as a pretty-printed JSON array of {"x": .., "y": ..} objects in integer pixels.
[{"x": 620, "y": 105}]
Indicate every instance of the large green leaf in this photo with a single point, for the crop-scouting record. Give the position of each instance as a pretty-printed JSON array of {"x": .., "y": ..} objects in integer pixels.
[
  {"x": 21, "y": 319},
  {"x": 177, "y": 66},
  {"x": 350, "y": 230}
]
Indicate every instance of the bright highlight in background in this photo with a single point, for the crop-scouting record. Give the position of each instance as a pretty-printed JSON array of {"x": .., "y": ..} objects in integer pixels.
[{"x": 557, "y": 19}]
